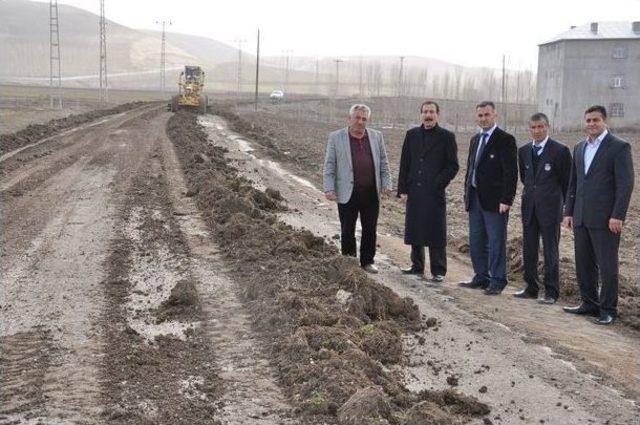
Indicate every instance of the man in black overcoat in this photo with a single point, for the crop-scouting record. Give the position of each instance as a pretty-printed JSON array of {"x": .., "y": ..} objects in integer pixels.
[
  {"x": 597, "y": 202},
  {"x": 428, "y": 163},
  {"x": 545, "y": 168}
]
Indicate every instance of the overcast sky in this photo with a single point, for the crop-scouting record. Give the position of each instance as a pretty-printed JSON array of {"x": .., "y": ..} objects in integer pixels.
[{"x": 474, "y": 33}]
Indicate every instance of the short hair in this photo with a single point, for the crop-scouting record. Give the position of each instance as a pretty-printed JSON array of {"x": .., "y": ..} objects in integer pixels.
[
  {"x": 430, "y": 102},
  {"x": 597, "y": 108},
  {"x": 486, "y": 103},
  {"x": 539, "y": 116},
  {"x": 360, "y": 107}
]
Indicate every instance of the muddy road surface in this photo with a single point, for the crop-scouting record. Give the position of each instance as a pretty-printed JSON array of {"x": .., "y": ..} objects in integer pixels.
[
  {"x": 159, "y": 269},
  {"x": 114, "y": 305},
  {"x": 533, "y": 364}
]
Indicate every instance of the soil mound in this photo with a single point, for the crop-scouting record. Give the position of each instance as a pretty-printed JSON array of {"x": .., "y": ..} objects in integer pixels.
[{"x": 332, "y": 326}]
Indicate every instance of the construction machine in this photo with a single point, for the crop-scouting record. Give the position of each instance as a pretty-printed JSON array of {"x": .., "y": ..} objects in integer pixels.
[{"x": 190, "y": 90}]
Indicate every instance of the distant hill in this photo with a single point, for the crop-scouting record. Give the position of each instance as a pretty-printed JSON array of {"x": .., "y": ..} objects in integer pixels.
[{"x": 133, "y": 61}]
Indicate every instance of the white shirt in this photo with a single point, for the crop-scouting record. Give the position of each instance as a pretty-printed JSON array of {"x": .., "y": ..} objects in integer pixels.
[{"x": 591, "y": 148}]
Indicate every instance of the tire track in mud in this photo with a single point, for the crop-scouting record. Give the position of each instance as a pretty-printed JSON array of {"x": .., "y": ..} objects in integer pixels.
[
  {"x": 250, "y": 391},
  {"x": 158, "y": 366}
]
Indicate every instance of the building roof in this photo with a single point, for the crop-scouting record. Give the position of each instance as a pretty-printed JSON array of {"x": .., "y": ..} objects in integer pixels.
[{"x": 605, "y": 30}]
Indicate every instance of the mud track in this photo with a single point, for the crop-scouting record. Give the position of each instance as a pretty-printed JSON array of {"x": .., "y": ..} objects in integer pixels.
[{"x": 523, "y": 360}]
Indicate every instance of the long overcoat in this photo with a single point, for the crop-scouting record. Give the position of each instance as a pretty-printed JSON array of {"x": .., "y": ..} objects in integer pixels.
[{"x": 428, "y": 163}]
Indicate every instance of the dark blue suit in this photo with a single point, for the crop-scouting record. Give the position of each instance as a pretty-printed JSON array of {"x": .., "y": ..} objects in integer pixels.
[{"x": 546, "y": 179}]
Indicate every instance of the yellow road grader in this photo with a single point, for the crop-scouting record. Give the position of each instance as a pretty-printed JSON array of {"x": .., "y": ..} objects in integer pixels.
[{"x": 190, "y": 90}]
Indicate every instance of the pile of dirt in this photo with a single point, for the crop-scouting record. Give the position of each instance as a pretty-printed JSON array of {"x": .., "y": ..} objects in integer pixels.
[
  {"x": 35, "y": 132},
  {"x": 333, "y": 328},
  {"x": 183, "y": 302}
]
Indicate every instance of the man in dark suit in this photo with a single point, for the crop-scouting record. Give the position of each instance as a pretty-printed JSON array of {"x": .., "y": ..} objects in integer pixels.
[
  {"x": 428, "y": 163},
  {"x": 545, "y": 168},
  {"x": 597, "y": 202},
  {"x": 490, "y": 186}
]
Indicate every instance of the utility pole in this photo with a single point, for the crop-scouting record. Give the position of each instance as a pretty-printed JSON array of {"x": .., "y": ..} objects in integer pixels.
[
  {"x": 338, "y": 62},
  {"x": 360, "y": 81},
  {"x": 257, "y": 70},
  {"x": 503, "y": 94},
  {"x": 163, "y": 56},
  {"x": 239, "y": 77},
  {"x": 104, "y": 90},
  {"x": 401, "y": 78},
  {"x": 317, "y": 79},
  {"x": 55, "y": 78},
  {"x": 287, "y": 66}
]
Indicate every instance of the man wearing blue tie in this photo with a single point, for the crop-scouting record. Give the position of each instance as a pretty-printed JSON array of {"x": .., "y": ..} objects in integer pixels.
[{"x": 490, "y": 186}]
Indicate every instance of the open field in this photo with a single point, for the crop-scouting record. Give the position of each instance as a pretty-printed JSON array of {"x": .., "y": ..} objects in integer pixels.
[{"x": 161, "y": 268}]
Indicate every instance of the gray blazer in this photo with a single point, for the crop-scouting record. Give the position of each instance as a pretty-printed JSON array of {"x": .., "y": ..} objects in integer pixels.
[
  {"x": 604, "y": 192},
  {"x": 337, "y": 174}
]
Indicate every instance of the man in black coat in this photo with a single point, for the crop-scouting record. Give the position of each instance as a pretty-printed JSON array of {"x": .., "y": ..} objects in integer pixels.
[
  {"x": 490, "y": 186},
  {"x": 428, "y": 163},
  {"x": 545, "y": 168},
  {"x": 597, "y": 202}
]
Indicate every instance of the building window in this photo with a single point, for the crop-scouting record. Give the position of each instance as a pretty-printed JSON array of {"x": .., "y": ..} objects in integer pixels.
[
  {"x": 616, "y": 109},
  {"x": 618, "y": 81},
  {"x": 620, "y": 52}
]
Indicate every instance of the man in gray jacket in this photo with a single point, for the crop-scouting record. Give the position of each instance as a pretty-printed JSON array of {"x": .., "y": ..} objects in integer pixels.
[{"x": 355, "y": 175}]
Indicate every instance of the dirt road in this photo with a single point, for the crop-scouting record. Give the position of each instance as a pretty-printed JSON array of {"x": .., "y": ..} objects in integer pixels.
[
  {"x": 109, "y": 300},
  {"x": 117, "y": 305},
  {"x": 535, "y": 364}
]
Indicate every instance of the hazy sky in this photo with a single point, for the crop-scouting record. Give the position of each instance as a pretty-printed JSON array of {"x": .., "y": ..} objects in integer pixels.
[{"x": 464, "y": 32}]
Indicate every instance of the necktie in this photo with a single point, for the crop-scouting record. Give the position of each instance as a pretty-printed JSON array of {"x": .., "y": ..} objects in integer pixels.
[
  {"x": 536, "y": 150},
  {"x": 483, "y": 143},
  {"x": 536, "y": 156}
]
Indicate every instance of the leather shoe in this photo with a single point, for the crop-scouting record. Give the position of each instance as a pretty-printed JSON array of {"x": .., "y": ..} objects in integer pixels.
[
  {"x": 605, "y": 319},
  {"x": 370, "y": 268},
  {"x": 493, "y": 291},
  {"x": 581, "y": 310},
  {"x": 524, "y": 294},
  {"x": 437, "y": 278},
  {"x": 412, "y": 271},
  {"x": 473, "y": 285},
  {"x": 547, "y": 300}
]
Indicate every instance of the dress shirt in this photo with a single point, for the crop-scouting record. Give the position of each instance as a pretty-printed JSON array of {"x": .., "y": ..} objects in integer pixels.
[
  {"x": 591, "y": 148},
  {"x": 478, "y": 150},
  {"x": 541, "y": 145}
]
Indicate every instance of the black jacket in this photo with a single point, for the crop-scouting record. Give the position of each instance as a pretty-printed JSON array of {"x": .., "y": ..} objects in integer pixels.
[
  {"x": 605, "y": 191},
  {"x": 545, "y": 188},
  {"x": 428, "y": 163},
  {"x": 497, "y": 173}
]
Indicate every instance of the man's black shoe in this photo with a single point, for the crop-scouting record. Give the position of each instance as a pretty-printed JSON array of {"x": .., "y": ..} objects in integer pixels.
[
  {"x": 605, "y": 319},
  {"x": 493, "y": 291},
  {"x": 473, "y": 285},
  {"x": 547, "y": 300},
  {"x": 581, "y": 310},
  {"x": 412, "y": 271},
  {"x": 525, "y": 294}
]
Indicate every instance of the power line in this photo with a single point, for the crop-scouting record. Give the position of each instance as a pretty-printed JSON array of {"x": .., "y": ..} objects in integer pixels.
[
  {"x": 55, "y": 78},
  {"x": 163, "y": 55},
  {"x": 239, "y": 76},
  {"x": 104, "y": 90}
]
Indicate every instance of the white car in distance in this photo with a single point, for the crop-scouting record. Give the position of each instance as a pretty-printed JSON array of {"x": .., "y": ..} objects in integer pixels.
[{"x": 276, "y": 96}]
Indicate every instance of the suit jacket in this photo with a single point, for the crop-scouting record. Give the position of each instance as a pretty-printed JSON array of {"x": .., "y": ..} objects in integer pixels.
[
  {"x": 337, "y": 174},
  {"x": 545, "y": 187},
  {"x": 605, "y": 190},
  {"x": 497, "y": 173},
  {"x": 428, "y": 163}
]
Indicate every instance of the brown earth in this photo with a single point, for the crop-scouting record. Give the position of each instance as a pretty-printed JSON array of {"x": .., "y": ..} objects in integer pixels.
[
  {"x": 296, "y": 135},
  {"x": 325, "y": 350}
]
